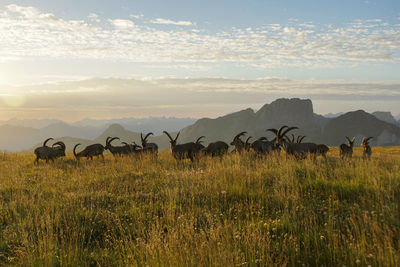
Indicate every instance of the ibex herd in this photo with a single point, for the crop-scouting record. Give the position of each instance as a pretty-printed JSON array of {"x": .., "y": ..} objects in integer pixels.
[{"x": 262, "y": 146}]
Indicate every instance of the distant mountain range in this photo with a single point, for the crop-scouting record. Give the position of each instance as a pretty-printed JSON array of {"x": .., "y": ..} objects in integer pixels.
[
  {"x": 18, "y": 135},
  {"x": 330, "y": 129}
]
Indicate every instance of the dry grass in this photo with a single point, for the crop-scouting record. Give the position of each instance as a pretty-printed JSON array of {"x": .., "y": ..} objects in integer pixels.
[{"x": 239, "y": 211}]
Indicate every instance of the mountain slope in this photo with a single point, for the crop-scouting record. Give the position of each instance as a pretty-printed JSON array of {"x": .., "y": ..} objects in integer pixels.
[
  {"x": 360, "y": 123},
  {"x": 291, "y": 112},
  {"x": 386, "y": 116}
]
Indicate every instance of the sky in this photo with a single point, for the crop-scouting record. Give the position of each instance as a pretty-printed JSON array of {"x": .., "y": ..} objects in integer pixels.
[{"x": 350, "y": 49}]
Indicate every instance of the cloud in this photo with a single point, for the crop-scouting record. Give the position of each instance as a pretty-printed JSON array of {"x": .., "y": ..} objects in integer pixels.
[
  {"x": 171, "y": 22},
  {"x": 136, "y": 16},
  {"x": 29, "y": 33},
  {"x": 206, "y": 97},
  {"x": 122, "y": 23}
]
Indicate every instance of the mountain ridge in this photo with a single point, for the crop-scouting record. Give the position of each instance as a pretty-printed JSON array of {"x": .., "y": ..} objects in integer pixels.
[{"x": 284, "y": 111}]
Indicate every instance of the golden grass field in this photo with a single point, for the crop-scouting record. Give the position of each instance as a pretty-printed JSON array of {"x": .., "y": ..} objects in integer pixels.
[{"x": 239, "y": 211}]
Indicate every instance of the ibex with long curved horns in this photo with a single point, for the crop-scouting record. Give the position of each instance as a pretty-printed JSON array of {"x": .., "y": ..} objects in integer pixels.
[
  {"x": 367, "y": 150},
  {"x": 238, "y": 143},
  {"x": 49, "y": 153},
  {"x": 347, "y": 150},
  {"x": 299, "y": 150},
  {"x": 182, "y": 151},
  {"x": 148, "y": 147},
  {"x": 116, "y": 150}
]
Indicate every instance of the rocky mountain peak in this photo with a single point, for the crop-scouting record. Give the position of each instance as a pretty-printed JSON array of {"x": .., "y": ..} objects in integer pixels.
[
  {"x": 292, "y": 111},
  {"x": 385, "y": 116}
]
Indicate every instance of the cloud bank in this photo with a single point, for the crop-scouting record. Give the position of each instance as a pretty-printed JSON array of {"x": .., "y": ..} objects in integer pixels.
[
  {"x": 28, "y": 32},
  {"x": 111, "y": 98}
]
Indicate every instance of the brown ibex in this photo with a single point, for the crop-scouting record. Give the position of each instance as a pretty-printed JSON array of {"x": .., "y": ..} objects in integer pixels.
[
  {"x": 90, "y": 151},
  {"x": 218, "y": 148},
  {"x": 367, "y": 151},
  {"x": 182, "y": 151},
  {"x": 299, "y": 150},
  {"x": 262, "y": 146},
  {"x": 49, "y": 153},
  {"x": 238, "y": 143},
  {"x": 347, "y": 150},
  {"x": 148, "y": 147},
  {"x": 116, "y": 150}
]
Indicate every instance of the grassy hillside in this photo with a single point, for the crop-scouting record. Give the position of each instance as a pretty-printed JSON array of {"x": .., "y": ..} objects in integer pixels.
[{"x": 236, "y": 212}]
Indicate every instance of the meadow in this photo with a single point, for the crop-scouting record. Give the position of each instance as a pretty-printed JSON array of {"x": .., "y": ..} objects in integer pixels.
[{"x": 238, "y": 211}]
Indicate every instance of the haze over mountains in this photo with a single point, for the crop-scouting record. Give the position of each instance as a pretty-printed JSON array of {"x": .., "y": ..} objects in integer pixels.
[{"x": 19, "y": 135}]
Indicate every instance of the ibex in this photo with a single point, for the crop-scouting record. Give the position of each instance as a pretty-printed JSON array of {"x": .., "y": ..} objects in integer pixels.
[
  {"x": 90, "y": 151},
  {"x": 262, "y": 146},
  {"x": 367, "y": 151},
  {"x": 49, "y": 153},
  {"x": 238, "y": 143},
  {"x": 215, "y": 149},
  {"x": 299, "y": 150},
  {"x": 182, "y": 151},
  {"x": 134, "y": 148},
  {"x": 148, "y": 147},
  {"x": 347, "y": 150},
  {"x": 116, "y": 150}
]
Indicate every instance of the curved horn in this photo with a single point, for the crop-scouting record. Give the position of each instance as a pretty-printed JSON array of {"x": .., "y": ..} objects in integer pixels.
[
  {"x": 74, "y": 150},
  {"x": 239, "y": 135},
  {"x": 286, "y": 131},
  {"x": 147, "y": 135},
  {"x": 275, "y": 131},
  {"x": 47, "y": 140},
  {"x": 108, "y": 139},
  {"x": 348, "y": 139},
  {"x": 141, "y": 137},
  {"x": 112, "y": 139},
  {"x": 247, "y": 140},
  {"x": 198, "y": 139},
  {"x": 169, "y": 136},
  {"x": 294, "y": 137},
  {"x": 176, "y": 138},
  {"x": 352, "y": 140},
  {"x": 59, "y": 143},
  {"x": 280, "y": 131},
  {"x": 365, "y": 140},
  {"x": 302, "y": 138}
]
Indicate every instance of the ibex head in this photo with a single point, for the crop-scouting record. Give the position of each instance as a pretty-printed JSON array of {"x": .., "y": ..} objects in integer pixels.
[
  {"x": 109, "y": 140},
  {"x": 236, "y": 140},
  {"x": 144, "y": 140},
  {"x": 280, "y": 134},
  {"x": 365, "y": 141},
  {"x": 171, "y": 140},
  {"x": 350, "y": 143}
]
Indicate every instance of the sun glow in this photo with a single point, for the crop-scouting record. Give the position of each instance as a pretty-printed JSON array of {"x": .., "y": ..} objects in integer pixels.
[{"x": 14, "y": 100}]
